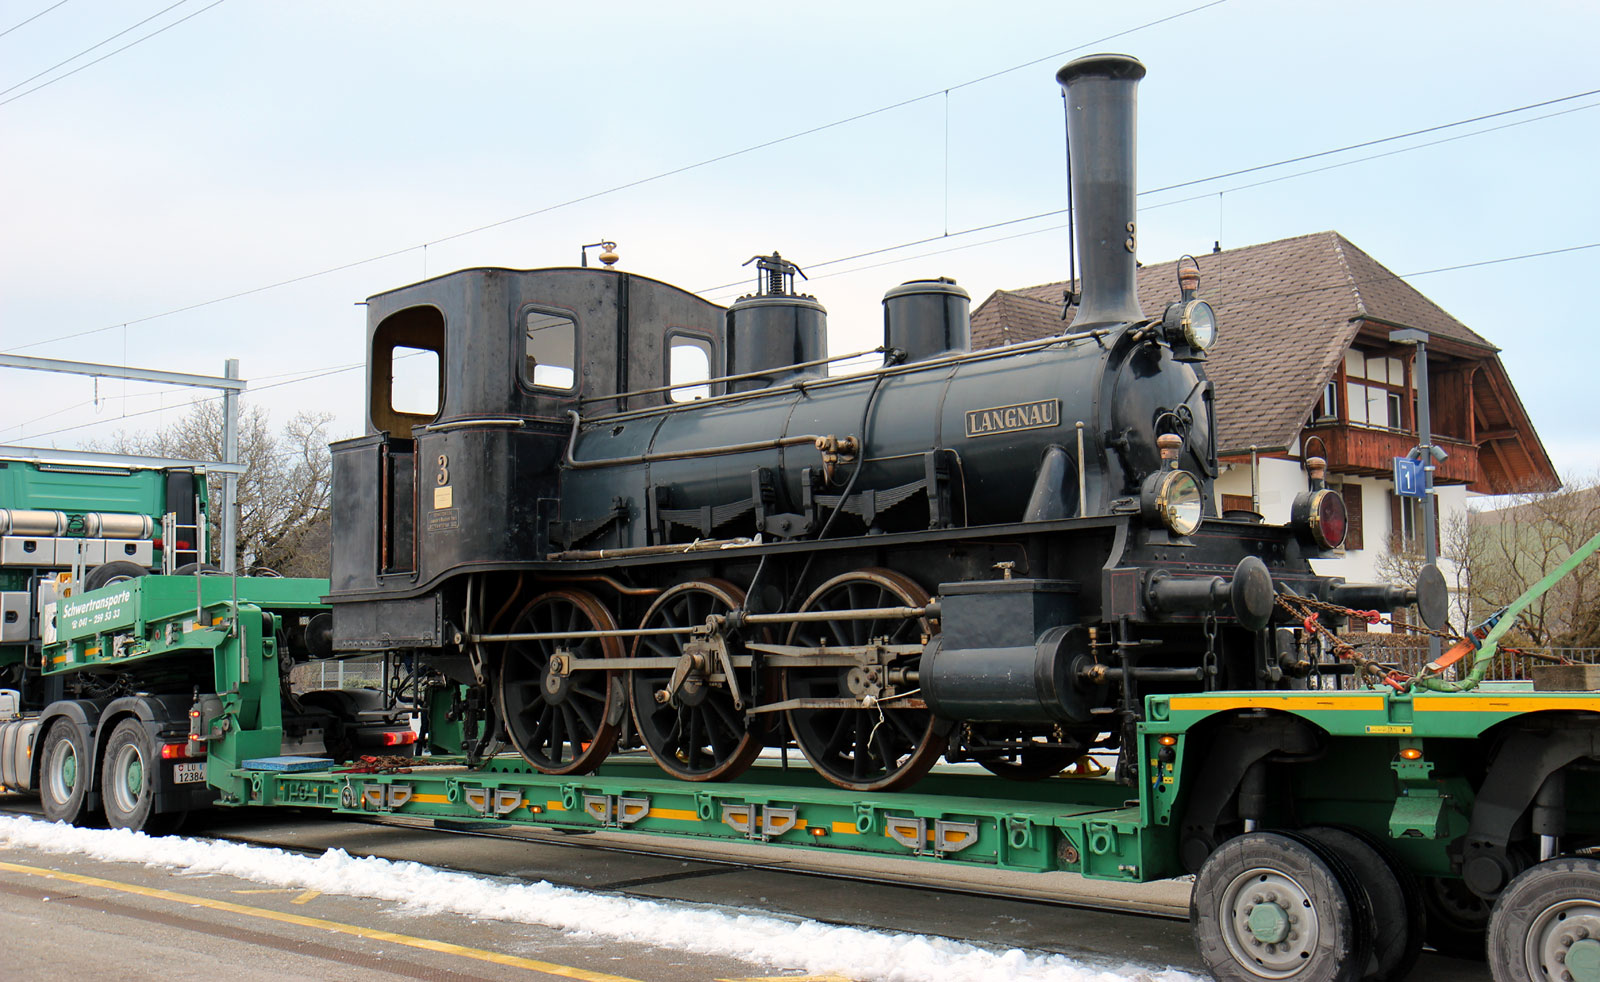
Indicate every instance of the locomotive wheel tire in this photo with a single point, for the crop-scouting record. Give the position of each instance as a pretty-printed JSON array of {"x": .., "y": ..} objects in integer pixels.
[
  {"x": 112, "y": 572},
  {"x": 822, "y": 733},
  {"x": 1307, "y": 926},
  {"x": 1391, "y": 890},
  {"x": 1546, "y": 924},
  {"x": 1458, "y": 920},
  {"x": 64, "y": 777},
  {"x": 585, "y": 711},
  {"x": 129, "y": 770},
  {"x": 675, "y": 735}
]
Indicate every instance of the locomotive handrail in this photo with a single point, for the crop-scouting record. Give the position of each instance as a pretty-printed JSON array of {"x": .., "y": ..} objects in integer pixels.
[
  {"x": 742, "y": 376},
  {"x": 647, "y": 458},
  {"x": 457, "y": 424},
  {"x": 985, "y": 354}
]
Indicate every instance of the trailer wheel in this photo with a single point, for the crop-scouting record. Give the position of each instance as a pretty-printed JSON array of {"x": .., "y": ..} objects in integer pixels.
[
  {"x": 64, "y": 777},
  {"x": 112, "y": 572},
  {"x": 1269, "y": 906},
  {"x": 1546, "y": 925},
  {"x": 1391, "y": 889},
  {"x": 130, "y": 771},
  {"x": 1457, "y": 918}
]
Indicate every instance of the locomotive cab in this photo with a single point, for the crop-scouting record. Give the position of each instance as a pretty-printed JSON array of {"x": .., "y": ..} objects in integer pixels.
[{"x": 471, "y": 380}]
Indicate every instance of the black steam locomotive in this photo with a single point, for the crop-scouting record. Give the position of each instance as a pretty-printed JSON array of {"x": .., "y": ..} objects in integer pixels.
[{"x": 982, "y": 555}]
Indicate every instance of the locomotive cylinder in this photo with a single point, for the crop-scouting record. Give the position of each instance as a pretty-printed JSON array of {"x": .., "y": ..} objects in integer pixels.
[{"x": 1100, "y": 91}]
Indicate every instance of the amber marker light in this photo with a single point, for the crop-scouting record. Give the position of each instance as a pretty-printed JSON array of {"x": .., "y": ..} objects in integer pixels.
[
  {"x": 1411, "y": 753},
  {"x": 819, "y": 833},
  {"x": 1168, "y": 741}
]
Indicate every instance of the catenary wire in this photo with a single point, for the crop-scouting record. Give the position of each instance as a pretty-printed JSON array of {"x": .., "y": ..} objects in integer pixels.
[
  {"x": 620, "y": 187},
  {"x": 92, "y": 47},
  {"x": 323, "y": 373},
  {"x": 125, "y": 47},
  {"x": 30, "y": 20}
]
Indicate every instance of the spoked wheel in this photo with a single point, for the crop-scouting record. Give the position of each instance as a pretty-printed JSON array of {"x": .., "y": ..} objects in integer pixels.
[
  {"x": 1546, "y": 925},
  {"x": 882, "y": 748},
  {"x": 696, "y": 733},
  {"x": 1392, "y": 891},
  {"x": 563, "y": 721},
  {"x": 1272, "y": 906}
]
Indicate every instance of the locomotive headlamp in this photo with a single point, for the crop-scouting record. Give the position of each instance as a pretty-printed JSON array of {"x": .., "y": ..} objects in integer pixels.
[
  {"x": 1190, "y": 322},
  {"x": 1320, "y": 516},
  {"x": 1172, "y": 498}
]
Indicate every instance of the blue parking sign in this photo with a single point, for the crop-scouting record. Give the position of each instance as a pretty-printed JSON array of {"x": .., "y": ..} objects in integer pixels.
[{"x": 1409, "y": 478}]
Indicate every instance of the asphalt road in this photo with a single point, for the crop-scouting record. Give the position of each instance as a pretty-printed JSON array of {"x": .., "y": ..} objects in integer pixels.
[{"x": 168, "y": 936}]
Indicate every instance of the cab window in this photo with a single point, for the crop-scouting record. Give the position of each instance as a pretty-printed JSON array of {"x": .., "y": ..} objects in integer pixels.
[
  {"x": 406, "y": 380},
  {"x": 688, "y": 361},
  {"x": 550, "y": 353}
]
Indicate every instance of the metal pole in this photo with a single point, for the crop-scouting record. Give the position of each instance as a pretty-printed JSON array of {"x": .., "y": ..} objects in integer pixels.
[
  {"x": 230, "y": 455},
  {"x": 1430, "y": 534}
]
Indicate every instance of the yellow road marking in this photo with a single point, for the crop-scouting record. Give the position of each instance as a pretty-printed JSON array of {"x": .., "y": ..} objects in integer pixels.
[
  {"x": 371, "y": 934},
  {"x": 306, "y": 896}
]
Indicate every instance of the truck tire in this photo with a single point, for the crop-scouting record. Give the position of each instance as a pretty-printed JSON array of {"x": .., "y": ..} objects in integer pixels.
[
  {"x": 130, "y": 772},
  {"x": 64, "y": 773},
  {"x": 112, "y": 572}
]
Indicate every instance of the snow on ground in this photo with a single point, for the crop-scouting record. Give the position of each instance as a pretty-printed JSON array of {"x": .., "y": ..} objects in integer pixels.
[{"x": 788, "y": 943}]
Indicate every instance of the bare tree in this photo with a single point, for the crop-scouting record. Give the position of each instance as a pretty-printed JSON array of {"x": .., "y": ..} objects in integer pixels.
[
  {"x": 1514, "y": 547},
  {"x": 283, "y": 495},
  {"x": 1402, "y": 562}
]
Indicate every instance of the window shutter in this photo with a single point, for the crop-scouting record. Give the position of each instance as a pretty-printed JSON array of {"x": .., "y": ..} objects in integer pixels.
[
  {"x": 1396, "y": 527},
  {"x": 1353, "y": 538}
]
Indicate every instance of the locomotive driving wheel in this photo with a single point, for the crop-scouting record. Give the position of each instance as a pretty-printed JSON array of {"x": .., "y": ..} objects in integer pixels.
[
  {"x": 882, "y": 746},
  {"x": 686, "y": 715},
  {"x": 562, "y": 720}
]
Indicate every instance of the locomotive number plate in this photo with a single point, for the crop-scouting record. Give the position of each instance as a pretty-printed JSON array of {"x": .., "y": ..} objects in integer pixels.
[{"x": 1009, "y": 419}]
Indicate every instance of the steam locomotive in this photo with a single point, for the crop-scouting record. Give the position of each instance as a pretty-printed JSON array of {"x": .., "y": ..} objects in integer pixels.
[{"x": 986, "y": 555}]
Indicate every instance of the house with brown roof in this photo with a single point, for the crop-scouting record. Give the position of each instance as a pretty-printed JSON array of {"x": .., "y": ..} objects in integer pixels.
[{"x": 1303, "y": 366}]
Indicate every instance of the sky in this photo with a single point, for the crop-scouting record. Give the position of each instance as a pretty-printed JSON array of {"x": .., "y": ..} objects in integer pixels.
[{"x": 154, "y": 201}]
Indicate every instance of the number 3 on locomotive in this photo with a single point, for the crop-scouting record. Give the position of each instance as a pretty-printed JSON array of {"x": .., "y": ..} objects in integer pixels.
[{"x": 443, "y": 477}]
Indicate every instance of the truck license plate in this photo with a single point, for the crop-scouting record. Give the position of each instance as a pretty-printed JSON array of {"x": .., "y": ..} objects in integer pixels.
[{"x": 189, "y": 773}]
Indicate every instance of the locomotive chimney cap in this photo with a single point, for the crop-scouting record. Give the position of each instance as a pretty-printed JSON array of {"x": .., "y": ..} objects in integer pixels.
[{"x": 1103, "y": 65}]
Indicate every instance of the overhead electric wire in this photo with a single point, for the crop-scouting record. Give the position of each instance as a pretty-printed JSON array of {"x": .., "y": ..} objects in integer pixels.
[
  {"x": 30, "y": 20},
  {"x": 125, "y": 47},
  {"x": 1235, "y": 301},
  {"x": 620, "y": 187},
  {"x": 91, "y": 47}
]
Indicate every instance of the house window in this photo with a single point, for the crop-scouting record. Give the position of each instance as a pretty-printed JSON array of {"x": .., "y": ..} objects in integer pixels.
[
  {"x": 550, "y": 356},
  {"x": 1405, "y": 521},
  {"x": 1375, "y": 389},
  {"x": 688, "y": 360},
  {"x": 1328, "y": 405}
]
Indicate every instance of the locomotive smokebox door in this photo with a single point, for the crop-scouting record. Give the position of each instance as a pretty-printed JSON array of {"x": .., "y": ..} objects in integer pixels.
[{"x": 1007, "y": 653}]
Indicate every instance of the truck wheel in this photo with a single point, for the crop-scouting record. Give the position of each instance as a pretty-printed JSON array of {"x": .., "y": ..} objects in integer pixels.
[
  {"x": 1392, "y": 891},
  {"x": 64, "y": 773},
  {"x": 113, "y": 572},
  {"x": 1268, "y": 906},
  {"x": 128, "y": 778},
  {"x": 1546, "y": 925}
]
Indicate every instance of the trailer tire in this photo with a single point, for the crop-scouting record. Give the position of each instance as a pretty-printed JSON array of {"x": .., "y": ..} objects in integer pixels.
[
  {"x": 1318, "y": 928},
  {"x": 1458, "y": 919},
  {"x": 1546, "y": 920},
  {"x": 112, "y": 572},
  {"x": 130, "y": 770},
  {"x": 1397, "y": 910},
  {"x": 64, "y": 773}
]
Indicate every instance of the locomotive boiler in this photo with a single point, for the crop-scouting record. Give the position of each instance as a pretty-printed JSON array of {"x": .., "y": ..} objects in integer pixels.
[{"x": 984, "y": 555}]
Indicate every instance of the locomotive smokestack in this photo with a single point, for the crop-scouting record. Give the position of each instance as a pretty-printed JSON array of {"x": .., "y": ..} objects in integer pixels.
[{"x": 1100, "y": 91}]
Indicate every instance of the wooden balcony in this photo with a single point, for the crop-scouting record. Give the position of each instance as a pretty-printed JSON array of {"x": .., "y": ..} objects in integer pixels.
[{"x": 1369, "y": 451}]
